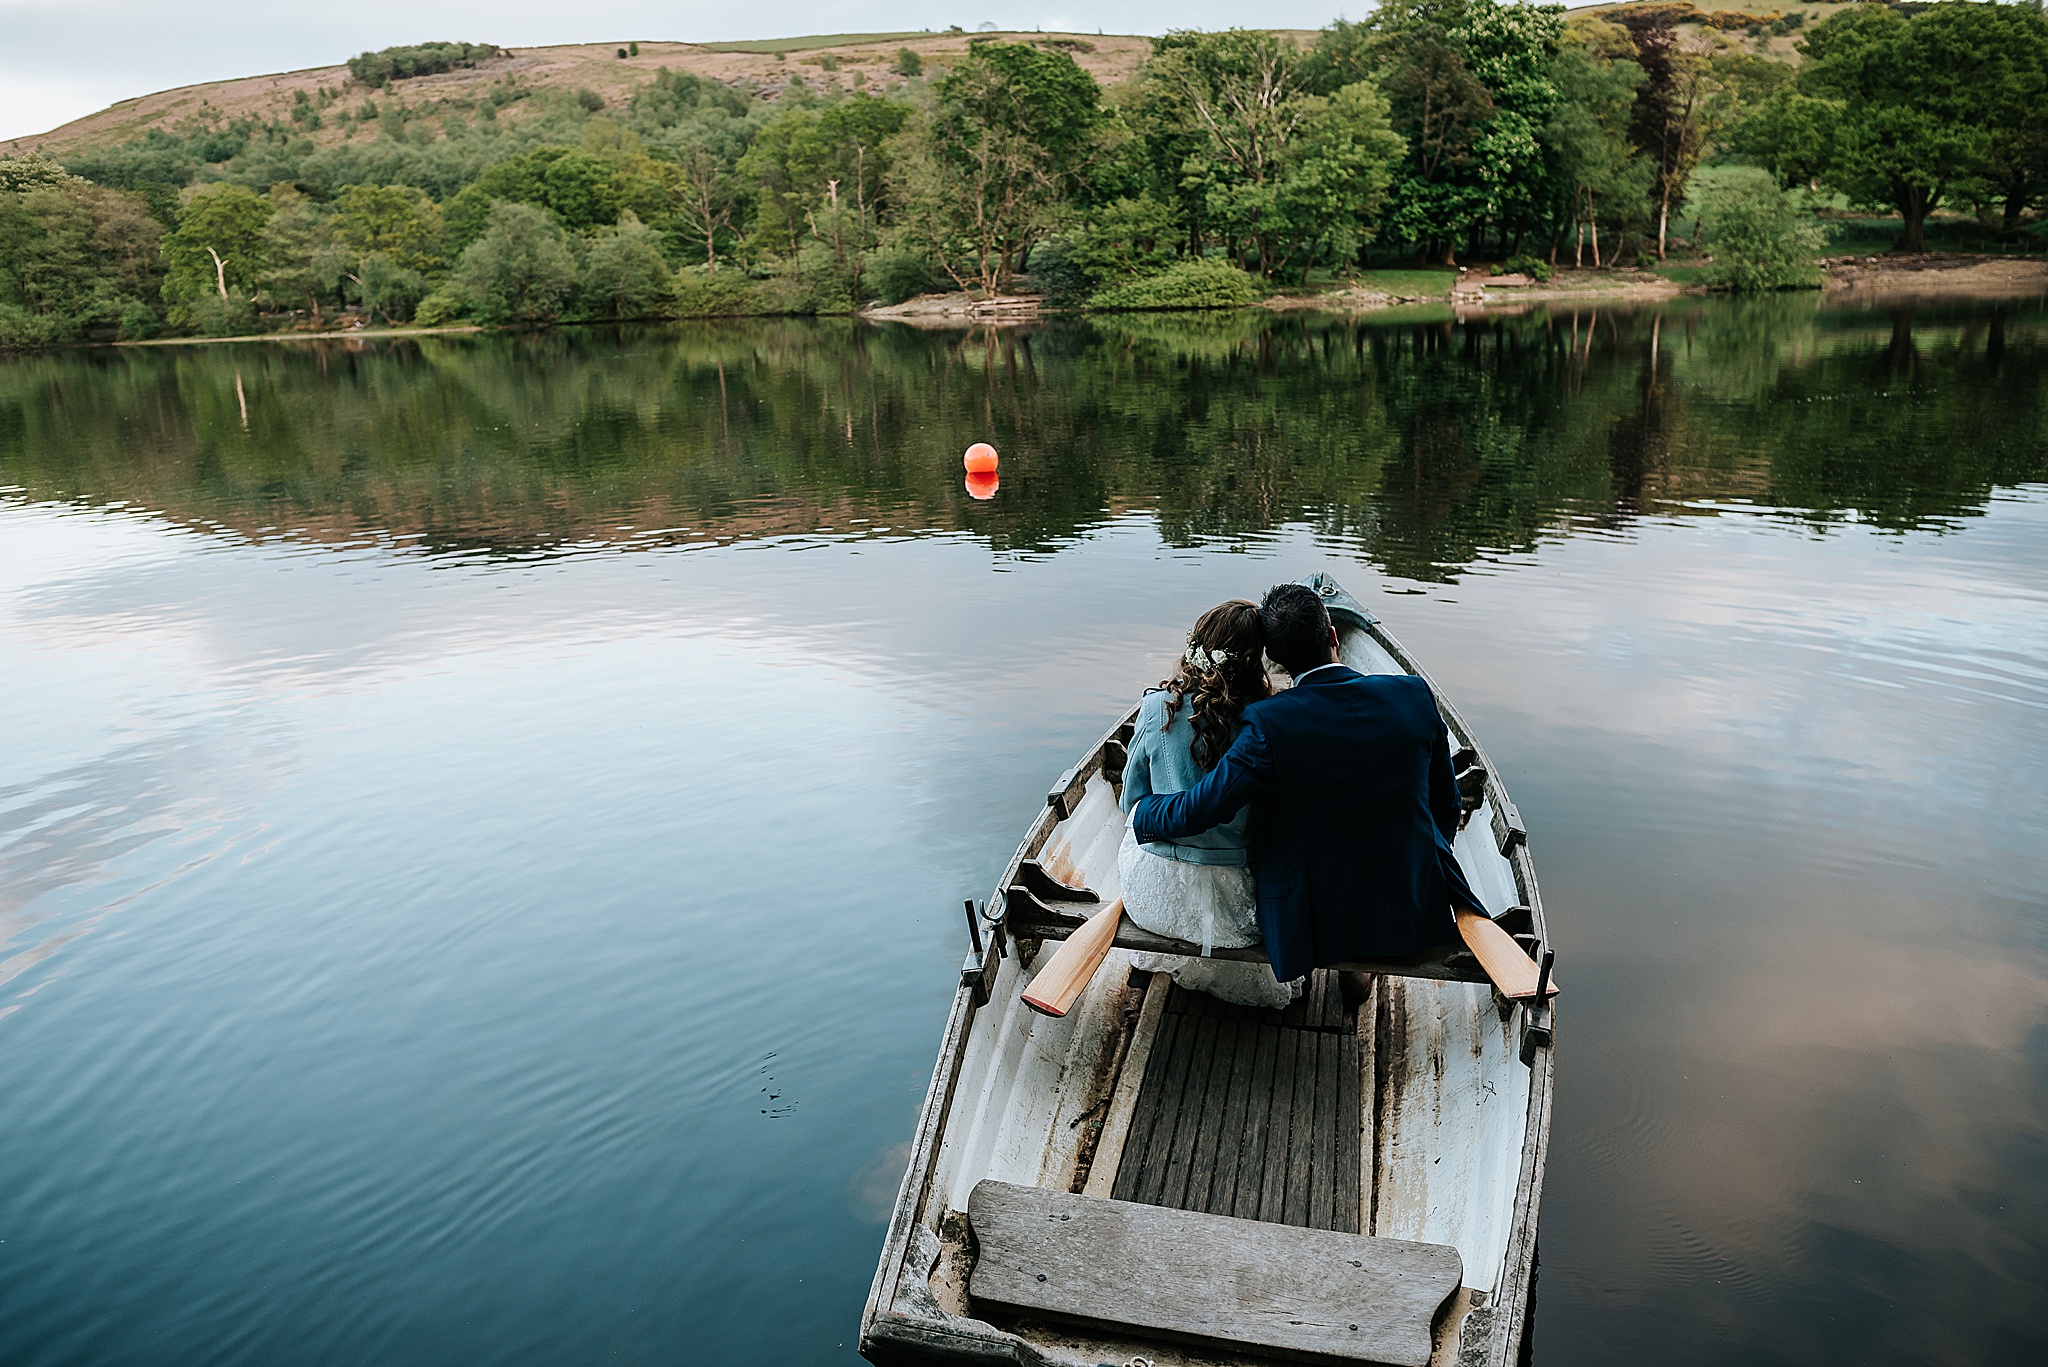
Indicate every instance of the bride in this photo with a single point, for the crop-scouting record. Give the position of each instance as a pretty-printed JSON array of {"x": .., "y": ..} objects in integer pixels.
[{"x": 1199, "y": 888}]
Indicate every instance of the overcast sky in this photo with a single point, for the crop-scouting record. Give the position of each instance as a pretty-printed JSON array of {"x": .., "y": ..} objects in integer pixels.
[{"x": 61, "y": 59}]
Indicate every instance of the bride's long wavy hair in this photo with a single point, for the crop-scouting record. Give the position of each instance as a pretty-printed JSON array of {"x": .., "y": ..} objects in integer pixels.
[{"x": 1217, "y": 693}]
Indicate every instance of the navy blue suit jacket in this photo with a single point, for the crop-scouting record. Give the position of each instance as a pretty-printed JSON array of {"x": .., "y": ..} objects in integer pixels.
[{"x": 1353, "y": 811}]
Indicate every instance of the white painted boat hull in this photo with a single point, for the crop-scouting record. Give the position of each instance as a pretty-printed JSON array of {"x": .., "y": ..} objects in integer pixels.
[{"x": 1455, "y": 1118}]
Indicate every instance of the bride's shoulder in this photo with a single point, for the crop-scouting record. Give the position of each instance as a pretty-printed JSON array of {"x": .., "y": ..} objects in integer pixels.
[{"x": 1152, "y": 709}]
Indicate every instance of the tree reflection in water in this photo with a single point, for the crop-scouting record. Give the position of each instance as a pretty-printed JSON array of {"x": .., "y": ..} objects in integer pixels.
[{"x": 1427, "y": 442}]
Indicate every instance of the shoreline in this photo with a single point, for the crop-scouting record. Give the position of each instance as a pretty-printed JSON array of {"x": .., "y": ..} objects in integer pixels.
[
  {"x": 1934, "y": 274},
  {"x": 302, "y": 336}
]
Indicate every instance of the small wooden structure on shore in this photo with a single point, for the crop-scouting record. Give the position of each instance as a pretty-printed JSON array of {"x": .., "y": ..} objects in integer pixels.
[{"x": 1163, "y": 1177}]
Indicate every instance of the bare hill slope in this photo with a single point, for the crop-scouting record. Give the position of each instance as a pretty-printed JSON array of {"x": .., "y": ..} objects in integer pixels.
[{"x": 823, "y": 62}]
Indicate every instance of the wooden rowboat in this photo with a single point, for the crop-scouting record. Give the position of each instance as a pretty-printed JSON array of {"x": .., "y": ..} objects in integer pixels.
[{"x": 1163, "y": 1178}]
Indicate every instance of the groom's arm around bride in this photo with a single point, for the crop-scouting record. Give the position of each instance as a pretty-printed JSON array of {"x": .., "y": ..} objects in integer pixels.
[{"x": 1353, "y": 807}]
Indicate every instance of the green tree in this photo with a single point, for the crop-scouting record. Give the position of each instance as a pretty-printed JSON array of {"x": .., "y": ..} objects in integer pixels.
[
  {"x": 623, "y": 273},
  {"x": 519, "y": 180},
  {"x": 582, "y": 190},
  {"x": 520, "y": 270},
  {"x": 1759, "y": 237},
  {"x": 1670, "y": 121},
  {"x": 1510, "y": 47},
  {"x": 32, "y": 171},
  {"x": 1333, "y": 184},
  {"x": 302, "y": 265},
  {"x": 1892, "y": 112},
  {"x": 388, "y": 237},
  {"x": 390, "y": 64},
  {"x": 1122, "y": 240},
  {"x": 1593, "y": 159},
  {"x": 2015, "y": 167},
  {"x": 822, "y": 175},
  {"x": 1469, "y": 82},
  {"x": 908, "y": 63},
  {"x": 386, "y": 288},
  {"x": 214, "y": 255},
  {"x": 74, "y": 256},
  {"x": 988, "y": 170},
  {"x": 393, "y": 221},
  {"x": 1279, "y": 166},
  {"x": 706, "y": 201}
]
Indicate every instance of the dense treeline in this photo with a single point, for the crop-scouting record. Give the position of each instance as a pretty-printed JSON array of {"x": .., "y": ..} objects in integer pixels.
[{"x": 1231, "y": 163}]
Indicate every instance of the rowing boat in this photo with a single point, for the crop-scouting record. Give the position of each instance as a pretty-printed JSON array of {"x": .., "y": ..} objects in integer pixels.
[{"x": 1159, "y": 1177}]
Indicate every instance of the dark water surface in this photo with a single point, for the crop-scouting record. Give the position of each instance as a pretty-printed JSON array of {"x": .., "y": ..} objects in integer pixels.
[{"x": 483, "y": 822}]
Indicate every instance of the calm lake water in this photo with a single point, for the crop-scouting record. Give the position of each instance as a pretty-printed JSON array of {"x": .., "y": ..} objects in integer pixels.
[{"x": 483, "y": 821}]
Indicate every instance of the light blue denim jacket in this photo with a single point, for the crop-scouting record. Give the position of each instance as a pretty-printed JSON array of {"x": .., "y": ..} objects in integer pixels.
[{"x": 1163, "y": 761}]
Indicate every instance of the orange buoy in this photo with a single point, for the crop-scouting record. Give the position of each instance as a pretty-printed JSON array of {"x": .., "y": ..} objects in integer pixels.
[
  {"x": 983, "y": 484},
  {"x": 980, "y": 459}
]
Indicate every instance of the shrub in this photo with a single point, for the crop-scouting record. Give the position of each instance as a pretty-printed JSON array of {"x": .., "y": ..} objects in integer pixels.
[
  {"x": 138, "y": 320},
  {"x": 633, "y": 48},
  {"x": 420, "y": 59},
  {"x": 784, "y": 292},
  {"x": 908, "y": 63},
  {"x": 520, "y": 270},
  {"x": 825, "y": 280},
  {"x": 31, "y": 171},
  {"x": 443, "y": 306},
  {"x": 21, "y": 328},
  {"x": 589, "y": 99},
  {"x": 388, "y": 288},
  {"x": 1128, "y": 239},
  {"x": 1057, "y": 271},
  {"x": 212, "y": 316},
  {"x": 1183, "y": 285},
  {"x": 623, "y": 273},
  {"x": 1525, "y": 263},
  {"x": 1757, "y": 235},
  {"x": 720, "y": 294},
  {"x": 894, "y": 276}
]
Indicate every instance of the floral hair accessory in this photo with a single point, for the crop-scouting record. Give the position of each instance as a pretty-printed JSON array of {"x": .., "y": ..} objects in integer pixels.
[{"x": 1205, "y": 660}]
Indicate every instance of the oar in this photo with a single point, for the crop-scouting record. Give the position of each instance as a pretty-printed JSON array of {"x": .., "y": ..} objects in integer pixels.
[
  {"x": 1055, "y": 986},
  {"x": 1512, "y": 971}
]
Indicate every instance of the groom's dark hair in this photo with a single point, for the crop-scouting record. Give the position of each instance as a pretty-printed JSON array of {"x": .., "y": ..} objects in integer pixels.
[{"x": 1296, "y": 626}]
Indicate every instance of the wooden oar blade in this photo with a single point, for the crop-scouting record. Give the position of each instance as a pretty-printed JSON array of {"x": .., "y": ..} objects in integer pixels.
[
  {"x": 1512, "y": 971},
  {"x": 1073, "y": 964}
]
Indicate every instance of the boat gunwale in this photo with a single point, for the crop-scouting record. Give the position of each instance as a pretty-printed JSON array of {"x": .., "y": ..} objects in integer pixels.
[{"x": 974, "y": 1339}]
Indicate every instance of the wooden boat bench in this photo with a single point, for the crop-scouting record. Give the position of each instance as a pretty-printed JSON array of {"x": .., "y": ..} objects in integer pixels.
[
  {"x": 1028, "y": 915},
  {"x": 1209, "y": 1279}
]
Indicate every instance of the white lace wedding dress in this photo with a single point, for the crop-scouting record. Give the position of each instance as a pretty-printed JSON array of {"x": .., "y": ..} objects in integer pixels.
[{"x": 1212, "y": 905}]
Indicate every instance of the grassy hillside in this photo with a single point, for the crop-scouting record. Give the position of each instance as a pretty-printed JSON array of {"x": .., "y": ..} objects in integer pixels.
[
  {"x": 837, "y": 61},
  {"x": 827, "y": 61},
  {"x": 1781, "y": 46}
]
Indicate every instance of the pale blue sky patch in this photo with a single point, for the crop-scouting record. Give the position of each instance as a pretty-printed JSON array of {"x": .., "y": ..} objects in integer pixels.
[{"x": 63, "y": 59}]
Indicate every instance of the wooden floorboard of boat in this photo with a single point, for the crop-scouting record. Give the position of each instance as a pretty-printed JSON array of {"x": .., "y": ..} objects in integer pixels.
[
  {"x": 1138, "y": 1178},
  {"x": 1252, "y": 1113},
  {"x": 1258, "y": 1124}
]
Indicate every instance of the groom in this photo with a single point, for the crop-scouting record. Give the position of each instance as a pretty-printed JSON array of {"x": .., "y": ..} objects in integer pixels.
[{"x": 1353, "y": 803}]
